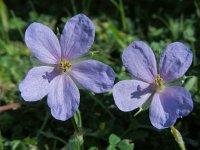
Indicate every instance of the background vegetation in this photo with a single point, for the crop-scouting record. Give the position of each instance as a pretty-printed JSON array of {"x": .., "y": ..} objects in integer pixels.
[{"x": 118, "y": 23}]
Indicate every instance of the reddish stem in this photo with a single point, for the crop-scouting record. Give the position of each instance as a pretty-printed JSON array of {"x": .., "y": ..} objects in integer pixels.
[{"x": 9, "y": 107}]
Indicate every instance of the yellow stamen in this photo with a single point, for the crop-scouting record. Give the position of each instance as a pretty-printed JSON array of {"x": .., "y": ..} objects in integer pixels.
[
  {"x": 159, "y": 80},
  {"x": 65, "y": 65}
]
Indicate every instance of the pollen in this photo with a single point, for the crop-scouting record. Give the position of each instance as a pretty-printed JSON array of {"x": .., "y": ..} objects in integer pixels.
[
  {"x": 159, "y": 81},
  {"x": 65, "y": 65},
  {"x": 159, "y": 84}
]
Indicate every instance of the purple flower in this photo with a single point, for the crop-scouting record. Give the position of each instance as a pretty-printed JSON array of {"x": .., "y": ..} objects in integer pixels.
[
  {"x": 165, "y": 103},
  {"x": 56, "y": 78}
]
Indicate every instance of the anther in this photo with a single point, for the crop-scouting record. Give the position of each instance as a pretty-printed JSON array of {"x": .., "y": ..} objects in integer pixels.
[
  {"x": 159, "y": 80},
  {"x": 64, "y": 65}
]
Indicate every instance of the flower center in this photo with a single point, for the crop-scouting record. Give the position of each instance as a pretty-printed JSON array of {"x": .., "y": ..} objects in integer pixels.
[
  {"x": 159, "y": 84},
  {"x": 65, "y": 65},
  {"x": 159, "y": 80}
]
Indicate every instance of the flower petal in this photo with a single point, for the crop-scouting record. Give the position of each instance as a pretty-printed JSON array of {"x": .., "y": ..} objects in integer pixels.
[
  {"x": 43, "y": 43},
  {"x": 63, "y": 97},
  {"x": 139, "y": 60},
  {"x": 175, "y": 61},
  {"x": 131, "y": 94},
  {"x": 36, "y": 83},
  {"x": 77, "y": 37},
  {"x": 166, "y": 107},
  {"x": 93, "y": 75}
]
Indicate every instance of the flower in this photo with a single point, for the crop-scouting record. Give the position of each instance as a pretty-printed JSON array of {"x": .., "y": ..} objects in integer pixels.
[
  {"x": 165, "y": 103},
  {"x": 57, "y": 77}
]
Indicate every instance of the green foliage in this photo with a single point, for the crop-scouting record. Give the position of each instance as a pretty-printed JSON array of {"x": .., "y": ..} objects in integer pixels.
[
  {"x": 113, "y": 139},
  {"x": 1, "y": 142},
  {"x": 118, "y": 23},
  {"x": 116, "y": 143},
  {"x": 27, "y": 143},
  {"x": 74, "y": 143},
  {"x": 4, "y": 20}
]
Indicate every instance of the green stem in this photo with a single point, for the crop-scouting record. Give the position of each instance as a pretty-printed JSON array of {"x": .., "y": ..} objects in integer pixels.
[
  {"x": 123, "y": 18},
  {"x": 103, "y": 107},
  {"x": 194, "y": 56},
  {"x": 178, "y": 137},
  {"x": 74, "y": 7},
  {"x": 49, "y": 135},
  {"x": 77, "y": 124},
  {"x": 74, "y": 125},
  {"x": 84, "y": 6},
  {"x": 43, "y": 124},
  {"x": 18, "y": 28},
  {"x": 1, "y": 142},
  {"x": 120, "y": 7}
]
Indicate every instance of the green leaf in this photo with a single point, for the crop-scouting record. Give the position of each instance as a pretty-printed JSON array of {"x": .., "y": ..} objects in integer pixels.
[
  {"x": 125, "y": 145},
  {"x": 75, "y": 143},
  {"x": 15, "y": 144},
  {"x": 93, "y": 148},
  {"x": 191, "y": 83},
  {"x": 114, "y": 139},
  {"x": 111, "y": 147},
  {"x": 30, "y": 141}
]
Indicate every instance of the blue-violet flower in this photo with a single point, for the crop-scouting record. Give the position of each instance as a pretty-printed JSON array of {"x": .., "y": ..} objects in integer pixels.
[
  {"x": 57, "y": 76},
  {"x": 166, "y": 103}
]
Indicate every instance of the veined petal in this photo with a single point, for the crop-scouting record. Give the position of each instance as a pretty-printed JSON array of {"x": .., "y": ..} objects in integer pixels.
[
  {"x": 175, "y": 61},
  {"x": 139, "y": 60},
  {"x": 63, "y": 97},
  {"x": 36, "y": 83},
  {"x": 131, "y": 94},
  {"x": 166, "y": 107},
  {"x": 77, "y": 37},
  {"x": 43, "y": 43},
  {"x": 93, "y": 75}
]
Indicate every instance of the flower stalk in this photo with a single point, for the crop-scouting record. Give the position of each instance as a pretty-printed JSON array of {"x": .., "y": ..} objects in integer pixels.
[
  {"x": 178, "y": 137},
  {"x": 78, "y": 134}
]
